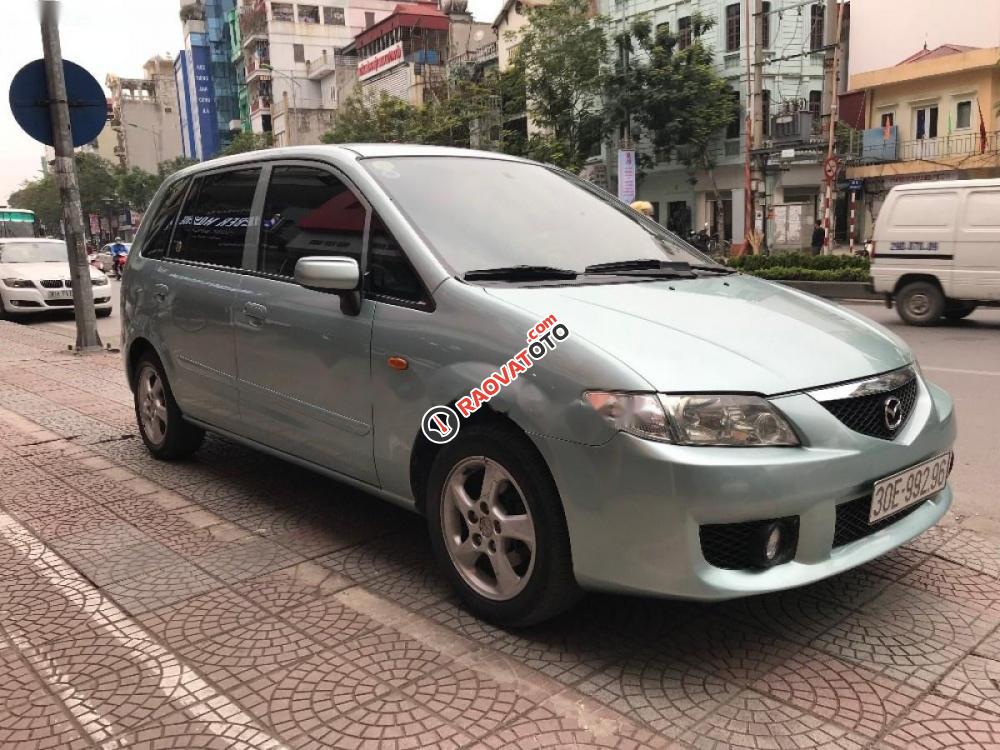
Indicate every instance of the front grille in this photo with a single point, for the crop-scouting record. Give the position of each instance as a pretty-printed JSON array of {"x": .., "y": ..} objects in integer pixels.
[
  {"x": 730, "y": 545},
  {"x": 52, "y": 283},
  {"x": 866, "y": 414},
  {"x": 852, "y": 520}
]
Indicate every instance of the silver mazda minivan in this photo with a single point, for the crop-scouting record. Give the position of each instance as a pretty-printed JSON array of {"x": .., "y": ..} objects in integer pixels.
[{"x": 573, "y": 397}]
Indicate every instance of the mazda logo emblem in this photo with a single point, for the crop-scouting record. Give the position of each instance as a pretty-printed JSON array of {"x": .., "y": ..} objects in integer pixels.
[{"x": 892, "y": 412}]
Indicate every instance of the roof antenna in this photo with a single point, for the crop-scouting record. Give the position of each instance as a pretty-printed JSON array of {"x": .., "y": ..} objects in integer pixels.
[{"x": 925, "y": 41}]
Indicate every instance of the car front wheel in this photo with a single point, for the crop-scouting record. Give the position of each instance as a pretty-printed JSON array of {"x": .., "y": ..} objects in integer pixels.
[
  {"x": 162, "y": 426},
  {"x": 498, "y": 530}
]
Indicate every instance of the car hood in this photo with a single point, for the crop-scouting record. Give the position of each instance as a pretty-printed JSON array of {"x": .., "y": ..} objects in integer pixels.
[
  {"x": 720, "y": 333},
  {"x": 38, "y": 271}
]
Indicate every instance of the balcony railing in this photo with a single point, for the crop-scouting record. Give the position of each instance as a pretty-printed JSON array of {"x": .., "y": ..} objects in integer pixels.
[
  {"x": 253, "y": 22},
  {"x": 879, "y": 145},
  {"x": 260, "y": 104}
]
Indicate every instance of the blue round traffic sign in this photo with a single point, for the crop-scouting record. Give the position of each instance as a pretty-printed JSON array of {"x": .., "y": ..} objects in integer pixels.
[{"x": 29, "y": 102}]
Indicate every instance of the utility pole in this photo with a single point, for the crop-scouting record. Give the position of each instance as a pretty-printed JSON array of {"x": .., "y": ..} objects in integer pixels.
[
  {"x": 87, "y": 339},
  {"x": 757, "y": 176},
  {"x": 830, "y": 93}
]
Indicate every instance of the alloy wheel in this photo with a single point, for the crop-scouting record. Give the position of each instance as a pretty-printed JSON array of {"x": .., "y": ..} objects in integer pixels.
[
  {"x": 152, "y": 406},
  {"x": 488, "y": 529}
]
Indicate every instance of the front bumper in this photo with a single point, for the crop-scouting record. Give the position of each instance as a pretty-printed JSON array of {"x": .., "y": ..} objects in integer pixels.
[
  {"x": 634, "y": 507},
  {"x": 23, "y": 301}
]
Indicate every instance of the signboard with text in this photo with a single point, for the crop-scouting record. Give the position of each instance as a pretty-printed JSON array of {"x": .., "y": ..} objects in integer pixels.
[
  {"x": 626, "y": 175},
  {"x": 384, "y": 60}
]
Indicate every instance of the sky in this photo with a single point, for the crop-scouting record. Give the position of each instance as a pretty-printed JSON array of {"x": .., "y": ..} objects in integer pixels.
[{"x": 104, "y": 36}]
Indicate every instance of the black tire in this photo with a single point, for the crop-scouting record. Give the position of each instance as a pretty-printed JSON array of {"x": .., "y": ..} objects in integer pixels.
[
  {"x": 104, "y": 312},
  {"x": 959, "y": 310},
  {"x": 179, "y": 438},
  {"x": 920, "y": 303},
  {"x": 551, "y": 587}
]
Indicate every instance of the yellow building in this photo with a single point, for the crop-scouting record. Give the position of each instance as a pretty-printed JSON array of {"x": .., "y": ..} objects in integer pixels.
[{"x": 933, "y": 116}]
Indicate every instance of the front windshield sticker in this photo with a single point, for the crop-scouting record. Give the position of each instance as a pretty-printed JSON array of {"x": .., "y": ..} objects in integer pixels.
[
  {"x": 385, "y": 169},
  {"x": 440, "y": 424}
]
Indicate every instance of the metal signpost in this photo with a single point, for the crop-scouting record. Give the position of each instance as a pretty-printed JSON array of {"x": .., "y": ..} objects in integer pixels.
[{"x": 61, "y": 104}]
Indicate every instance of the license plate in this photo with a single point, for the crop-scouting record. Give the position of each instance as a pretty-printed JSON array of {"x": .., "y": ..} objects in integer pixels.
[
  {"x": 61, "y": 294},
  {"x": 909, "y": 486}
]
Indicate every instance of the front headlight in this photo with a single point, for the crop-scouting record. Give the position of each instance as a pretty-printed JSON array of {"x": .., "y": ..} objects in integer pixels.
[
  {"x": 19, "y": 283},
  {"x": 635, "y": 413},
  {"x": 727, "y": 420},
  {"x": 719, "y": 420},
  {"x": 100, "y": 281}
]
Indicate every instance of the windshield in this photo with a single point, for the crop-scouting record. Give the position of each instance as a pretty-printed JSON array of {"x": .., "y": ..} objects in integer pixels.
[
  {"x": 479, "y": 213},
  {"x": 33, "y": 252}
]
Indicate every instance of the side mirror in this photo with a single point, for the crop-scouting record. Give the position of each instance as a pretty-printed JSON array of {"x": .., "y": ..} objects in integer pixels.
[{"x": 328, "y": 274}]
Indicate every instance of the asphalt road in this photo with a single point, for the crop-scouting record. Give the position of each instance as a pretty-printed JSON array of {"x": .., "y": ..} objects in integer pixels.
[{"x": 963, "y": 358}]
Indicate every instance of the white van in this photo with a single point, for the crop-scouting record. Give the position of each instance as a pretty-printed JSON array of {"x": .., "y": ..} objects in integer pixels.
[{"x": 936, "y": 249}]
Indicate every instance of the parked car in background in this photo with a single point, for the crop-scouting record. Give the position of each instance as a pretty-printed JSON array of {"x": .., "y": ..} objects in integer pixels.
[
  {"x": 105, "y": 258},
  {"x": 936, "y": 249},
  {"x": 688, "y": 431},
  {"x": 34, "y": 277}
]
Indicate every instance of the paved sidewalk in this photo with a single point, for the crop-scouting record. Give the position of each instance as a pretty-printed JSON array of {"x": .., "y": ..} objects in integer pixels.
[{"x": 236, "y": 601}]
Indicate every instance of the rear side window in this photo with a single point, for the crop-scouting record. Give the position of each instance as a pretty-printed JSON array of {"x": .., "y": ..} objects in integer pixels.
[
  {"x": 308, "y": 211},
  {"x": 213, "y": 224},
  {"x": 161, "y": 223},
  {"x": 389, "y": 271},
  {"x": 982, "y": 210},
  {"x": 925, "y": 210}
]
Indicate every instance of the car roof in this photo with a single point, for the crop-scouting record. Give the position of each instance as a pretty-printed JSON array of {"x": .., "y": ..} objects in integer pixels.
[
  {"x": 342, "y": 152},
  {"x": 948, "y": 184},
  {"x": 31, "y": 239}
]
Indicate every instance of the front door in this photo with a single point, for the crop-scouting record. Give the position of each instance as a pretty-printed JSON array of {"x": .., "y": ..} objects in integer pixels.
[
  {"x": 194, "y": 291},
  {"x": 304, "y": 370}
]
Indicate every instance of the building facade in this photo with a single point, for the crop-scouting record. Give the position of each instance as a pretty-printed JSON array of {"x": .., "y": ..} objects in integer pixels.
[
  {"x": 289, "y": 52},
  {"x": 933, "y": 116},
  {"x": 144, "y": 116},
  {"x": 793, "y": 42}
]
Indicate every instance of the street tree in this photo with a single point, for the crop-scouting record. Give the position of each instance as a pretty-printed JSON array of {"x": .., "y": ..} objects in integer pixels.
[
  {"x": 136, "y": 186},
  {"x": 166, "y": 168},
  {"x": 562, "y": 61},
  {"x": 672, "y": 96},
  {"x": 243, "y": 142},
  {"x": 96, "y": 180}
]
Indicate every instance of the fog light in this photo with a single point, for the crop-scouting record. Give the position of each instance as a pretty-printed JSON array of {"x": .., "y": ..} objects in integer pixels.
[{"x": 773, "y": 545}]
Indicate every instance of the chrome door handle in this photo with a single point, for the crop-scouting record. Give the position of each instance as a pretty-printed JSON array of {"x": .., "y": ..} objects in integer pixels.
[{"x": 160, "y": 292}]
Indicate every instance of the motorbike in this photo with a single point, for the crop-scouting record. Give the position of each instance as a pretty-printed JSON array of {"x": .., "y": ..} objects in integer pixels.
[{"x": 118, "y": 265}]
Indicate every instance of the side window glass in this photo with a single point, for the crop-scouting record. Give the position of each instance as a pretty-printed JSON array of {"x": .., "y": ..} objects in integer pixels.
[
  {"x": 162, "y": 222},
  {"x": 213, "y": 225},
  {"x": 308, "y": 211},
  {"x": 389, "y": 271}
]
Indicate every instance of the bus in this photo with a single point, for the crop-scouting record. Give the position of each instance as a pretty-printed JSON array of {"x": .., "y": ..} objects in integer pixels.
[{"x": 17, "y": 222}]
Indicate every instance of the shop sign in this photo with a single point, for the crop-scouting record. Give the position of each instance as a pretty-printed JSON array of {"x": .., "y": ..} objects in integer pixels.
[{"x": 387, "y": 58}]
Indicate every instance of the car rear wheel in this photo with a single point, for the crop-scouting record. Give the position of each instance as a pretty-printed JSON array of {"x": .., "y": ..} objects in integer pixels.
[
  {"x": 162, "y": 426},
  {"x": 920, "y": 303},
  {"x": 959, "y": 310},
  {"x": 498, "y": 530}
]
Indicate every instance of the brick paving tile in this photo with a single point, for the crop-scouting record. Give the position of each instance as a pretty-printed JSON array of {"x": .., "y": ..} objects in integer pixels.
[
  {"x": 39, "y": 725},
  {"x": 906, "y": 634},
  {"x": 543, "y": 729},
  {"x": 328, "y": 620},
  {"x": 82, "y": 520},
  {"x": 752, "y": 720},
  {"x": 212, "y": 613},
  {"x": 937, "y": 723},
  {"x": 414, "y": 587},
  {"x": 384, "y": 555},
  {"x": 193, "y": 543},
  {"x": 932, "y": 539},
  {"x": 662, "y": 691},
  {"x": 973, "y": 551},
  {"x": 289, "y": 587},
  {"x": 160, "y": 587},
  {"x": 974, "y": 681},
  {"x": 246, "y": 558},
  {"x": 957, "y": 583},
  {"x": 18, "y": 685},
  {"x": 795, "y": 615},
  {"x": 197, "y": 728},
  {"x": 990, "y": 645},
  {"x": 117, "y": 564},
  {"x": 116, "y": 683},
  {"x": 245, "y": 653},
  {"x": 838, "y": 691},
  {"x": 98, "y": 541},
  {"x": 48, "y": 496}
]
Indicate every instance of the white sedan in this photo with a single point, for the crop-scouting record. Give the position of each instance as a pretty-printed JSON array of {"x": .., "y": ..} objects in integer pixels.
[{"x": 34, "y": 277}]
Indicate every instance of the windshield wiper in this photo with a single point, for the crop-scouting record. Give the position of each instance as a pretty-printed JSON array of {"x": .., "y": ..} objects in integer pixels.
[
  {"x": 519, "y": 273},
  {"x": 724, "y": 270},
  {"x": 644, "y": 267}
]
